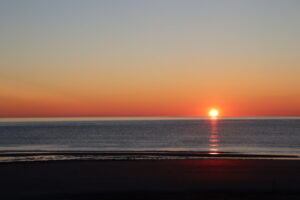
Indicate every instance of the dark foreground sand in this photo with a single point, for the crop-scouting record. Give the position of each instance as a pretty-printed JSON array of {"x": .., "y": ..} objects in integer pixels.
[{"x": 152, "y": 179}]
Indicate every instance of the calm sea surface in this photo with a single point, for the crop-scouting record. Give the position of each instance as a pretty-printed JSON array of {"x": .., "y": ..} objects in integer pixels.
[{"x": 258, "y": 136}]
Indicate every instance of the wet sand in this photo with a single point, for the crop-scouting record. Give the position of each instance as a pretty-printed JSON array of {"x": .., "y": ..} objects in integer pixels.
[{"x": 152, "y": 179}]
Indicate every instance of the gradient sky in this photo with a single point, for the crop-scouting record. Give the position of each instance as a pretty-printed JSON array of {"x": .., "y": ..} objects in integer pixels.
[{"x": 149, "y": 58}]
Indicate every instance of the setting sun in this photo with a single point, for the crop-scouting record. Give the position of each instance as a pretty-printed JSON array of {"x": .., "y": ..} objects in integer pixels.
[{"x": 213, "y": 113}]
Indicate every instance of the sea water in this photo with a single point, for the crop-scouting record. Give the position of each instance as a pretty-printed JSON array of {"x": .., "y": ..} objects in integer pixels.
[{"x": 276, "y": 136}]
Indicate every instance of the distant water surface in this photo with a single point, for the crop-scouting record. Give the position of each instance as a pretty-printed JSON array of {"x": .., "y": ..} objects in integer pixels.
[{"x": 276, "y": 136}]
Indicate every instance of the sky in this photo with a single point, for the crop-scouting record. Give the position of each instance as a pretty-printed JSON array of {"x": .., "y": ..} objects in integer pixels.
[{"x": 149, "y": 58}]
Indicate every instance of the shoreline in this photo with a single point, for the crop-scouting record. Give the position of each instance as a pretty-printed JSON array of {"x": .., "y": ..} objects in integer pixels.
[{"x": 133, "y": 155}]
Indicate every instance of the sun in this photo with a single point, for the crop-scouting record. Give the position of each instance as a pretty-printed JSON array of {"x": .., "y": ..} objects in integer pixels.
[{"x": 213, "y": 113}]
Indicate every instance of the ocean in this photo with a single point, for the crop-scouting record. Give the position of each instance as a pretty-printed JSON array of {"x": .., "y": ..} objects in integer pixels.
[{"x": 271, "y": 136}]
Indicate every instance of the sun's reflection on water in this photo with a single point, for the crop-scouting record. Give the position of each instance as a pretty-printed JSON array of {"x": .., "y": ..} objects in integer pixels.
[{"x": 214, "y": 137}]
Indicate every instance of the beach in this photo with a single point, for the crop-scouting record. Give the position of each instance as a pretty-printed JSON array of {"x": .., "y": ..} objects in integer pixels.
[{"x": 215, "y": 178}]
